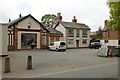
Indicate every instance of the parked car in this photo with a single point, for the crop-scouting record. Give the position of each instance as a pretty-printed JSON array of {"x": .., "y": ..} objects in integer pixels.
[
  {"x": 58, "y": 45},
  {"x": 95, "y": 45}
]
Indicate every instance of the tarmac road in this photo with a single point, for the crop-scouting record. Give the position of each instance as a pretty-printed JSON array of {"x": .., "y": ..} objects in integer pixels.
[{"x": 48, "y": 62}]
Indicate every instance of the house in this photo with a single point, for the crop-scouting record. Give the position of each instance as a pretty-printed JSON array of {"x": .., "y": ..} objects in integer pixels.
[
  {"x": 75, "y": 34},
  {"x": 109, "y": 36},
  {"x": 24, "y": 31}
]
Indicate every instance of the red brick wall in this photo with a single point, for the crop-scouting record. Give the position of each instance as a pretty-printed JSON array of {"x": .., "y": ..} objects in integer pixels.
[
  {"x": 110, "y": 34},
  {"x": 113, "y": 34},
  {"x": 41, "y": 39},
  {"x": 15, "y": 38}
]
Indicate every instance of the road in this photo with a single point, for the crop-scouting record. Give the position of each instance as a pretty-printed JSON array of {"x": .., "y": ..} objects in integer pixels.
[
  {"x": 109, "y": 70},
  {"x": 74, "y": 63}
]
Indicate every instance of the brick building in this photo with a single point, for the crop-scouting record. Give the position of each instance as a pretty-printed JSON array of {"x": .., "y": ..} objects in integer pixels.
[{"x": 26, "y": 30}]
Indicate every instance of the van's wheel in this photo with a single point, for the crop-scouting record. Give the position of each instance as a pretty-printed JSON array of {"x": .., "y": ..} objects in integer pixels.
[
  {"x": 49, "y": 49},
  {"x": 57, "y": 49}
]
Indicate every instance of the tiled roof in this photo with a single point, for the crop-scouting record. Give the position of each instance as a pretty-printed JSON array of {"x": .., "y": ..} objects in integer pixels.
[
  {"x": 74, "y": 25},
  {"x": 22, "y": 18},
  {"x": 54, "y": 32},
  {"x": 105, "y": 29}
]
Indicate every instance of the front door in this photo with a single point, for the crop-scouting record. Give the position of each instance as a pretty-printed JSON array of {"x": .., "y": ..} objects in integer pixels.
[{"x": 77, "y": 43}]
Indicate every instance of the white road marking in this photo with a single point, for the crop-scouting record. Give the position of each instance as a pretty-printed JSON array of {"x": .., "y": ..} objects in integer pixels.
[{"x": 53, "y": 73}]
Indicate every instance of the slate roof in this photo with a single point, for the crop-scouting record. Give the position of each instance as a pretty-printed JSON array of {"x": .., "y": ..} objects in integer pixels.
[
  {"x": 105, "y": 29},
  {"x": 22, "y": 18},
  {"x": 74, "y": 25},
  {"x": 54, "y": 32}
]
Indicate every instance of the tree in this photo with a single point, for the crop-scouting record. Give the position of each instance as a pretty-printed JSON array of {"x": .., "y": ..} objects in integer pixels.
[
  {"x": 99, "y": 33},
  {"x": 114, "y": 22},
  {"x": 48, "y": 20}
]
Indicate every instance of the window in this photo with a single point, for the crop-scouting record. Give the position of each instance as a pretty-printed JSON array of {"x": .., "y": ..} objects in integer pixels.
[
  {"x": 51, "y": 44},
  {"x": 62, "y": 43},
  {"x": 70, "y": 41},
  {"x": 57, "y": 39},
  {"x": 105, "y": 41},
  {"x": 84, "y": 33},
  {"x": 52, "y": 39},
  {"x": 84, "y": 41},
  {"x": 77, "y": 32},
  {"x": 70, "y": 32}
]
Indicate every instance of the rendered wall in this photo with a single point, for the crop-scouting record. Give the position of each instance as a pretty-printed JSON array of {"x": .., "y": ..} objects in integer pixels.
[{"x": 3, "y": 40}]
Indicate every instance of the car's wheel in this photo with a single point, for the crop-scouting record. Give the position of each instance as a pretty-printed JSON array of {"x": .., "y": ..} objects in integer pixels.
[
  {"x": 64, "y": 50},
  {"x": 90, "y": 47},
  {"x": 96, "y": 47},
  {"x": 49, "y": 49},
  {"x": 57, "y": 49}
]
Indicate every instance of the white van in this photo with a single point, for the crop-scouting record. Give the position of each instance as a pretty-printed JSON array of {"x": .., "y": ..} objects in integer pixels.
[{"x": 58, "y": 45}]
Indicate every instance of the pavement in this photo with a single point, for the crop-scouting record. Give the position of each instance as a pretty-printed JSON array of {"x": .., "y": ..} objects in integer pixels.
[{"x": 47, "y": 62}]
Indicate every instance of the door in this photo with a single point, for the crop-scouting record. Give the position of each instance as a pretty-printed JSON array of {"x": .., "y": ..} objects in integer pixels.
[{"x": 77, "y": 43}]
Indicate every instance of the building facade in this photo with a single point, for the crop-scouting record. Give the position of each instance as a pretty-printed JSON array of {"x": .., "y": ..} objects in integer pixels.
[
  {"x": 26, "y": 31},
  {"x": 75, "y": 34},
  {"x": 109, "y": 36}
]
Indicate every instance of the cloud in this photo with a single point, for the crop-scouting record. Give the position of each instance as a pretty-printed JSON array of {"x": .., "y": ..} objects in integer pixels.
[{"x": 93, "y": 13}]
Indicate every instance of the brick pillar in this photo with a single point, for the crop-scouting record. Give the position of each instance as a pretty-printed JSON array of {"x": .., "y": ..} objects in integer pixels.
[
  {"x": 41, "y": 39},
  {"x": 15, "y": 38},
  {"x": 47, "y": 38}
]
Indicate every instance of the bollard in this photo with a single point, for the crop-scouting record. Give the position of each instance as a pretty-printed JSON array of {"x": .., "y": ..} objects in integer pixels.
[
  {"x": 7, "y": 65},
  {"x": 29, "y": 62}
]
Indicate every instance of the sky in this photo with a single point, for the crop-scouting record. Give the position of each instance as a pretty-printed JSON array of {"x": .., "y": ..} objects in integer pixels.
[{"x": 90, "y": 12}]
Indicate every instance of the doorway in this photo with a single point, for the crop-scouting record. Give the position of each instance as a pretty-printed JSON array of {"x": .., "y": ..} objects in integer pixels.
[
  {"x": 77, "y": 43},
  {"x": 27, "y": 39}
]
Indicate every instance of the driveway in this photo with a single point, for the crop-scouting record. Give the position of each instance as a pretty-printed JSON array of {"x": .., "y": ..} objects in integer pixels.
[{"x": 47, "y": 62}]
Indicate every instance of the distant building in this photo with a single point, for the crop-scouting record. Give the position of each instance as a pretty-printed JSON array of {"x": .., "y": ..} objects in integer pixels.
[
  {"x": 75, "y": 34},
  {"x": 92, "y": 35},
  {"x": 109, "y": 36}
]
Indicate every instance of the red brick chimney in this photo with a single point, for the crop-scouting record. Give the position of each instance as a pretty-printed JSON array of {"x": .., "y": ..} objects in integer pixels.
[
  {"x": 106, "y": 23},
  {"x": 58, "y": 18},
  {"x": 74, "y": 20}
]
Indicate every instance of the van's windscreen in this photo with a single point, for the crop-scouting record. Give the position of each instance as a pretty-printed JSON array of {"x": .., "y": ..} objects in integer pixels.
[{"x": 62, "y": 43}]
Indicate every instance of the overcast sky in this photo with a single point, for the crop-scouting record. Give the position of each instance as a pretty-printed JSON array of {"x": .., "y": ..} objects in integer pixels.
[{"x": 91, "y": 12}]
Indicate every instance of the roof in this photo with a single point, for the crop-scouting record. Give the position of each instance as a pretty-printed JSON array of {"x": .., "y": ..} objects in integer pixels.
[
  {"x": 105, "y": 29},
  {"x": 22, "y": 18},
  {"x": 55, "y": 32},
  {"x": 74, "y": 25}
]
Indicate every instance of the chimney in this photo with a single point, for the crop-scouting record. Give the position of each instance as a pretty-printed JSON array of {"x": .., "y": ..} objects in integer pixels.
[
  {"x": 58, "y": 18},
  {"x": 9, "y": 20},
  {"x": 105, "y": 23},
  {"x": 20, "y": 15},
  {"x": 74, "y": 20}
]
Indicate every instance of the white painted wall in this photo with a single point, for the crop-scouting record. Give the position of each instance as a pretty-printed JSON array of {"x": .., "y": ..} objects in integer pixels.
[
  {"x": 3, "y": 40},
  {"x": 110, "y": 42},
  {"x": 24, "y": 24},
  {"x": 66, "y": 38},
  {"x": 19, "y": 38},
  {"x": 63, "y": 30}
]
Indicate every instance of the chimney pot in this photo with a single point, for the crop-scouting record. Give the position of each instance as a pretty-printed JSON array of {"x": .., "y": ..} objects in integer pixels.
[
  {"x": 20, "y": 16},
  {"x": 9, "y": 20},
  {"x": 74, "y": 19},
  {"x": 58, "y": 18}
]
